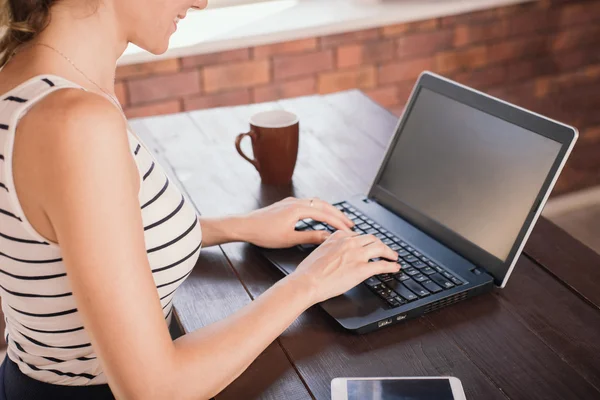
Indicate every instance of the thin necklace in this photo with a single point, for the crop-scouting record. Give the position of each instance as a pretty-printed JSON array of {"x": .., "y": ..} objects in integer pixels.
[{"x": 110, "y": 96}]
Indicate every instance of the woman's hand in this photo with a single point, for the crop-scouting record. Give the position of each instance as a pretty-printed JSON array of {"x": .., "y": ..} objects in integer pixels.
[
  {"x": 342, "y": 262},
  {"x": 274, "y": 226}
]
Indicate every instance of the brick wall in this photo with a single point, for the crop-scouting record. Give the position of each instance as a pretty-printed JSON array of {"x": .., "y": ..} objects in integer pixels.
[{"x": 544, "y": 56}]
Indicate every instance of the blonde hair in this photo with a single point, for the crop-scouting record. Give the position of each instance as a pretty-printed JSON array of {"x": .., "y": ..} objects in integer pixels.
[{"x": 20, "y": 22}]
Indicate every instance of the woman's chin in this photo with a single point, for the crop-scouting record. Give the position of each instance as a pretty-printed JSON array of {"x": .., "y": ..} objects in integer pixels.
[{"x": 156, "y": 47}]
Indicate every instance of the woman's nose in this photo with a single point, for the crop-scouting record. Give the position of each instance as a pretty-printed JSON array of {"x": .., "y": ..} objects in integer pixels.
[{"x": 199, "y": 4}]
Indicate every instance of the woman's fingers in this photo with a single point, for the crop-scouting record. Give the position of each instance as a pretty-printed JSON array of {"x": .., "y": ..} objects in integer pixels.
[
  {"x": 328, "y": 208},
  {"x": 364, "y": 240},
  {"x": 311, "y": 237},
  {"x": 381, "y": 267},
  {"x": 379, "y": 250},
  {"x": 323, "y": 216}
]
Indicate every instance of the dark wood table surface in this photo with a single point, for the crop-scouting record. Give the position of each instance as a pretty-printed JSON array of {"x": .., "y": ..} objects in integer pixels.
[{"x": 539, "y": 338}]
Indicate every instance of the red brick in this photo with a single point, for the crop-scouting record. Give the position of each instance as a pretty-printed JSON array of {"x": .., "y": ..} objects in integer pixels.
[
  {"x": 517, "y": 49},
  {"x": 576, "y": 37},
  {"x": 296, "y": 46},
  {"x": 404, "y": 90},
  {"x": 404, "y": 71},
  {"x": 362, "y": 78},
  {"x": 121, "y": 93},
  {"x": 291, "y": 66},
  {"x": 579, "y": 13},
  {"x": 284, "y": 90},
  {"x": 365, "y": 53},
  {"x": 349, "y": 37},
  {"x": 423, "y": 43},
  {"x": 233, "y": 98},
  {"x": 483, "y": 78},
  {"x": 159, "y": 108},
  {"x": 407, "y": 27},
  {"x": 216, "y": 58},
  {"x": 532, "y": 21},
  {"x": 148, "y": 68},
  {"x": 386, "y": 96},
  {"x": 161, "y": 87},
  {"x": 455, "y": 60},
  {"x": 470, "y": 34},
  {"x": 472, "y": 17},
  {"x": 239, "y": 75}
]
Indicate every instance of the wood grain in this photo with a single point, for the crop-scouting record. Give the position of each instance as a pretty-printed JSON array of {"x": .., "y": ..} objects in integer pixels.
[
  {"x": 565, "y": 257},
  {"x": 535, "y": 339}
]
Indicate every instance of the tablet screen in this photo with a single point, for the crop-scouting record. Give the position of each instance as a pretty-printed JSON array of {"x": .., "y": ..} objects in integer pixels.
[{"x": 400, "y": 389}]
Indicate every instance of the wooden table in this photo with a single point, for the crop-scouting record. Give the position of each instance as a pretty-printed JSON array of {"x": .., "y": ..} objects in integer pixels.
[{"x": 539, "y": 338}]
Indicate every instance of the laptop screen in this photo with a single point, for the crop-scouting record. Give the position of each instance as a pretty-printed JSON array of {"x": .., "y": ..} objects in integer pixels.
[{"x": 471, "y": 172}]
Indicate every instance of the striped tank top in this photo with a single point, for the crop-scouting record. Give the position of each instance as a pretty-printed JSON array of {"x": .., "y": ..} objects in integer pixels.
[{"x": 44, "y": 330}]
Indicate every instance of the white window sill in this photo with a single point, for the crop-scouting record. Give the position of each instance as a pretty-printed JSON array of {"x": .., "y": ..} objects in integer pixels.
[{"x": 221, "y": 29}]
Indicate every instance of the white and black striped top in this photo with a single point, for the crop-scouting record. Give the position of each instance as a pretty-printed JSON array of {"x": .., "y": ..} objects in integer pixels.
[{"x": 44, "y": 331}]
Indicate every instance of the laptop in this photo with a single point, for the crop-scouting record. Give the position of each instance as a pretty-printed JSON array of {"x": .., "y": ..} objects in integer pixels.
[{"x": 462, "y": 183}]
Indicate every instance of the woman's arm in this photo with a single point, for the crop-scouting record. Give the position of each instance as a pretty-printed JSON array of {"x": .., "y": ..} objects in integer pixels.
[{"x": 90, "y": 198}]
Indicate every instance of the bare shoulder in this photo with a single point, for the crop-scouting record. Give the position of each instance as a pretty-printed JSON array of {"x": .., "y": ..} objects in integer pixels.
[
  {"x": 67, "y": 135},
  {"x": 71, "y": 114}
]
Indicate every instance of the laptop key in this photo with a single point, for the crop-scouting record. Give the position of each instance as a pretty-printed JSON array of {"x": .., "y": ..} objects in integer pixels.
[
  {"x": 438, "y": 268},
  {"x": 372, "y": 281},
  {"x": 424, "y": 259},
  {"x": 416, "y": 253},
  {"x": 351, "y": 209},
  {"x": 394, "y": 247},
  {"x": 393, "y": 302},
  {"x": 428, "y": 271},
  {"x": 370, "y": 221},
  {"x": 456, "y": 281},
  {"x": 403, "y": 264},
  {"x": 402, "y": 253},
  {"x": 376, "y": 226},
  {"x": 440, "y": 280},
  {"x": 371, "y": 231},
  {"x": 385, "y": 277},
  {"x": 419, "y": 264},
  {"x": 410, "y": 258},
  {"x": 384, "y": 231},
  {"x": 388, "y": 242},
  {"x": 380, "y": 236},
  {"x": 447, "y": 275},
  {"x": 416, "y": 288},
  {"x": 319, "y": 227},
  {"x": 403, "y": 244},
  {"x": 420, "y": 278},
  {"x": 403, "y": 291},
  {"x": 411, "y": 271},
  {"x": 364, "y": 226},
  {"x": 431, "y": 286},
  {"x": 401, "y": 276}
]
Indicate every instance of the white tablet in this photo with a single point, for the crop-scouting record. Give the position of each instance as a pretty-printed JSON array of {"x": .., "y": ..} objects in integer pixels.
[{"x": 409, "y": 388}]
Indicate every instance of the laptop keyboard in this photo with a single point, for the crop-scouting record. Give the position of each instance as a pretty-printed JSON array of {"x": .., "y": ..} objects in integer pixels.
[{"x": 418, "y": 277}]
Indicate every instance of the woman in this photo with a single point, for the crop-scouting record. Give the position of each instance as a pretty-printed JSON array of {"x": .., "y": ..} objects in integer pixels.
[{"x": 94, "y": 239}]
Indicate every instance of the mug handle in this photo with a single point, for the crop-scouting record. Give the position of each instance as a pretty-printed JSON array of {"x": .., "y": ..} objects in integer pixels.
[{"x": 238, "y": 141}]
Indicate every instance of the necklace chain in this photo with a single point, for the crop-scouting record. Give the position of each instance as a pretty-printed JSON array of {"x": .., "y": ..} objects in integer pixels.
[{"x": 110, "y": 96}]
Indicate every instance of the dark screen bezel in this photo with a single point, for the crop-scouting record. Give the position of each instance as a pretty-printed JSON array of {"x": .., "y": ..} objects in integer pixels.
[{"x": 560, "y": 133}]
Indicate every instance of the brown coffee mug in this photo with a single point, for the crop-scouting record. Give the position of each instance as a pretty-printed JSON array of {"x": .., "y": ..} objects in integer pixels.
[{"x": 274, "y": 135}]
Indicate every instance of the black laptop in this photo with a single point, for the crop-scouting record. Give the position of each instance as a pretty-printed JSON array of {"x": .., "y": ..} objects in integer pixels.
[{"x": 461, "y": 185}]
